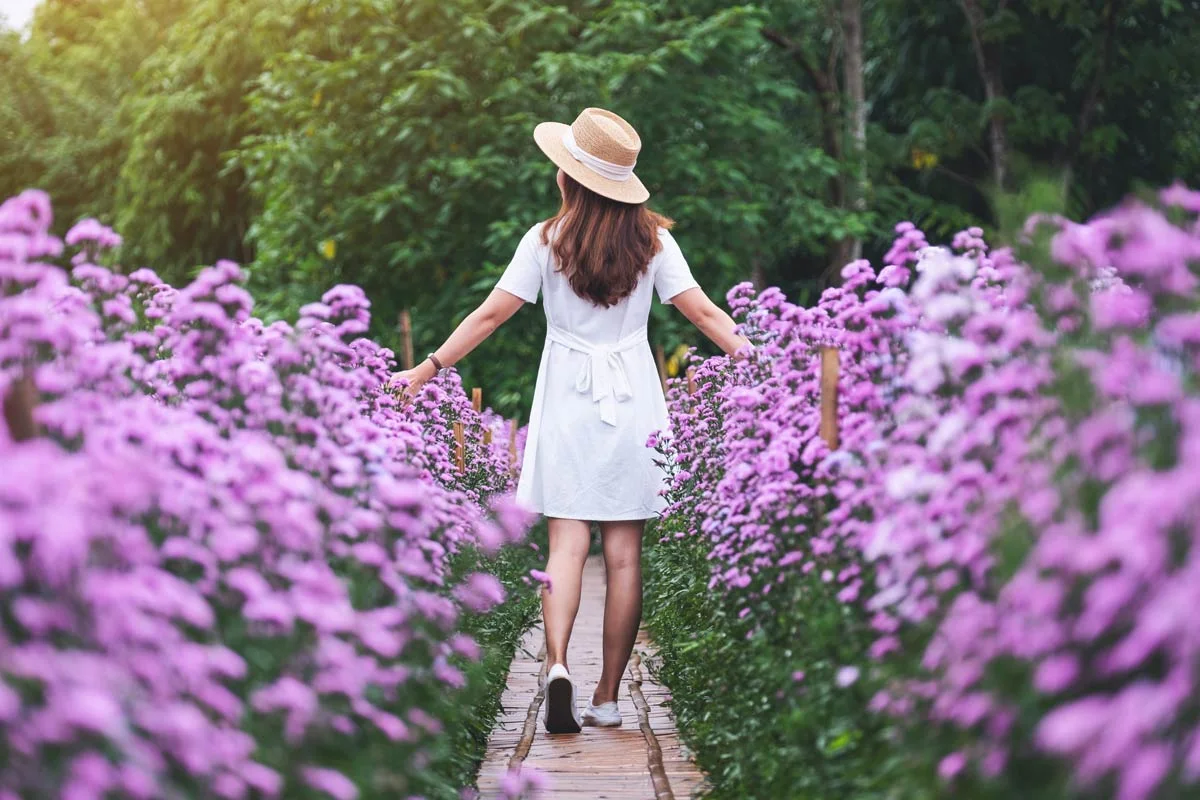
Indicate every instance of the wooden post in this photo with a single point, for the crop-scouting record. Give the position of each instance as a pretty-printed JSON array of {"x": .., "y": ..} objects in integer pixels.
[
  {"x": 487, "y": 437},
  {"x": 512, "y": 445},
  {"x": 477, "y": 399},
  {"x": 829, "y": 396},
  {"x": 691, "y": 380},
  {"x": 661, "y": 359},
  {"x": 460, "y": 450},
  {"x": 18, "y": 409},
  {"x": 406, "y": 343}
]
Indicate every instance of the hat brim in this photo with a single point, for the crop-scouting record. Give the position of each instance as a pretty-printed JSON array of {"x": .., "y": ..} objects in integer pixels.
[{"x": 549, "y": 137}]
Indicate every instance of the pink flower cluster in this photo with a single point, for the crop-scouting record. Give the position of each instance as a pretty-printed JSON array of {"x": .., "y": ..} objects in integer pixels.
[
  {"x": 230, "y": 547},
  {"x": 1014, "y": 507}
]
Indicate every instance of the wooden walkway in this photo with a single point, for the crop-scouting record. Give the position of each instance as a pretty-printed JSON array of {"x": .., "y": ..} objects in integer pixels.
[{"x": 641, "y": 760}]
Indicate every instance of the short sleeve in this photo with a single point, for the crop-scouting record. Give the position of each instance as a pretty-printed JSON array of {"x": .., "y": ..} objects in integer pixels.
[
  {"x": 673, "y": 276},
  {"x": 523, "y": 277}
]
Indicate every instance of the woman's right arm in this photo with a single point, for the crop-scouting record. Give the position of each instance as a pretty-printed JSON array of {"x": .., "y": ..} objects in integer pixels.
[
  {"x": 481, "y": 323},
  {"x": 710, "y": 319}
]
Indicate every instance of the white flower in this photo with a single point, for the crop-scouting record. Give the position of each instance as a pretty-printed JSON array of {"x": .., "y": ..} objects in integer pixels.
[
  {"x": 948, "y": 306},
  {"x": 846, "y": 676}
]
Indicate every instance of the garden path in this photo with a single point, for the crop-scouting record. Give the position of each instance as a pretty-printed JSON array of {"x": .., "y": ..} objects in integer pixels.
[{"x": 642, "y": 760}]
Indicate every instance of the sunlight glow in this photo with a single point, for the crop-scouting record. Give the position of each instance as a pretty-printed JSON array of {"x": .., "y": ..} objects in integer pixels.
[{"x": 17, "y": 13}]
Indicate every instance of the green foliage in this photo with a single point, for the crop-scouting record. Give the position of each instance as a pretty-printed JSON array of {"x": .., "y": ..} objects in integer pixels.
[
  {"x": 473, "y": 712},
  {"x": 180, "y": 203},
  {"x": 758, "y": 703},
  {"x": 406, "y": 141},
  {"x": 387, "y": 142},
  {"x": 61, "y": 122},
  {"x": 757, "y": 730},
  {"x": 1102, "y": 89}
]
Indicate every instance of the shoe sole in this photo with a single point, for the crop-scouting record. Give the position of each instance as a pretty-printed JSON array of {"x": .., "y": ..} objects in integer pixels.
[
  {"x": 591, "y": 723},
  {"x": 559, "y": 718}
]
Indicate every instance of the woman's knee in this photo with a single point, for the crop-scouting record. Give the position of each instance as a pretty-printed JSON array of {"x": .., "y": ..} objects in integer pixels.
[
  {"x": 570, "y": 539},
  {"x": 622, "y": 556},
  {"x": 622, "y": 562}
]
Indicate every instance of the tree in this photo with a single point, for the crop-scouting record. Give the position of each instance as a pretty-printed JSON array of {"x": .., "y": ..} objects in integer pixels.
[
  {"x": 818, "y": 38},
  {"x": 856, "y": 100},
  {"x": 68, "y": 79},
  {"x": 396, "y": 152},
  {"x": 180, "y": 202}
]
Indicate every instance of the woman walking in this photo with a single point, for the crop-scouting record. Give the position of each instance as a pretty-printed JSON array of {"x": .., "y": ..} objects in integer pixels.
[{"x": 596, "y": 263}]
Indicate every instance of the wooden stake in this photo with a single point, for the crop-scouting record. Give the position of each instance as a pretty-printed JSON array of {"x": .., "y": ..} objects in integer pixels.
[
  {"x": 477, "y": 399},
  {"x": 406, "y": 343},
  {"x": 18, "y": 409},
  {"x": 691, "y": 380},
  {"x": 460, "y": 441},
  {"x": 829, "y": 396},
  {"x": 660, "y": 358},
  {"x": 487, "y": 437},
  {"x": 512, "y": 445}
]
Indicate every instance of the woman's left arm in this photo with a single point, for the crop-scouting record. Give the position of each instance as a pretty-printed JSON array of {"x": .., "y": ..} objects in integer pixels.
[{"x": 481, "y": 323}]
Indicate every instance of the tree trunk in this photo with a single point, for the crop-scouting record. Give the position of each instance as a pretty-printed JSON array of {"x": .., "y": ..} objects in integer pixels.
[
  {"x": 758, "y": 275},
  {"x": 987, "y": 57},
  {"x": 832, "y": 136},
  {"x": 1092, "y": 99},
  {"x": 852, "y": 66}
]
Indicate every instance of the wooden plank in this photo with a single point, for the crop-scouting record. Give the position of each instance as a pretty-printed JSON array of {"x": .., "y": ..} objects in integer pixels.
[{"x": 612, "y": 763}]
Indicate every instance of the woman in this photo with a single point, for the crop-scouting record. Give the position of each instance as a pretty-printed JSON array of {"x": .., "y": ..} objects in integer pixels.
[{"x": 598, "y": 397}]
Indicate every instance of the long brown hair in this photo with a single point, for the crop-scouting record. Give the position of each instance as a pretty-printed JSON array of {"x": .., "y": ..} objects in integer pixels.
[{"x": 602, "y": 247}]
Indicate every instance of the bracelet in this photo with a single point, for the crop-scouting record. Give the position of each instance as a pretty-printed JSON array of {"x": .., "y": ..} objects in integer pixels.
[{"x": 436, "y": 363}]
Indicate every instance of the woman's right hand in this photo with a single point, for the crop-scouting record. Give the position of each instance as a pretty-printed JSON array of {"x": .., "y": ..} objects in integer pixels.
[
  {"x": 714, "y": 323},
  {"x": 410, "y": 381}
]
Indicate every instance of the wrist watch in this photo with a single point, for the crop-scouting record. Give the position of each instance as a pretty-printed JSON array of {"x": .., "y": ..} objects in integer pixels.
[{"x": 439, "y": 368}]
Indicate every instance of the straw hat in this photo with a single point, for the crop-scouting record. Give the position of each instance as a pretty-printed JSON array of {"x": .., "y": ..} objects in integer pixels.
[{"x": 599, "y": 150}]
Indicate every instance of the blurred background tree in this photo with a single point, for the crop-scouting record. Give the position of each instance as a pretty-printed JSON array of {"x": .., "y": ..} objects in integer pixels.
[{"x": 388, "y": 142}]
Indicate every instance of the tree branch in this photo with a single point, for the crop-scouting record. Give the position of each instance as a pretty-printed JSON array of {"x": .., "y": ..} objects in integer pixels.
[
  {"x": 987, "y": 60},
  {"x": 792, "y": 48}
]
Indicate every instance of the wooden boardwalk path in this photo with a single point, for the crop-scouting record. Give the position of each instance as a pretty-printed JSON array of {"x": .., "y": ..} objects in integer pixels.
[{"x": 641, "y": 760}]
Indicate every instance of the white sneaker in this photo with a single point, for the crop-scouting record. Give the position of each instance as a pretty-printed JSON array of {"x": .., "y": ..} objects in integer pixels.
[
  {"x": 561, "y": 714},
  {"x": 605, "y": 715}
]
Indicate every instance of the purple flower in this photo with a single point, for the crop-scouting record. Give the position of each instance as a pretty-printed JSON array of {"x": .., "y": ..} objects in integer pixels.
[
  {"x": 524, "y": 783},
  {"x": 480, "y": 592},
  {"x": 542, "y": 578},
  {"x": 951, "y": 765},
  {"x": 199, "y": 475},
  {"x": 332, "y": 782}
]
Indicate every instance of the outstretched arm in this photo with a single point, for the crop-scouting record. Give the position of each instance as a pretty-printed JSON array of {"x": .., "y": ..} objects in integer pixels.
[
  {"x": 710, "y": 319},
  {"x": 478, "y": 325}
]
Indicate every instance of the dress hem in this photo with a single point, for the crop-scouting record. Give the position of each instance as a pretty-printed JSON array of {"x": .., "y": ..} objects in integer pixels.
[{"x": 645, "y": 514}]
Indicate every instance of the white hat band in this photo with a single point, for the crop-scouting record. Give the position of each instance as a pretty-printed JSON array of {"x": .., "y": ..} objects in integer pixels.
[{"x": 605, "y": 169}]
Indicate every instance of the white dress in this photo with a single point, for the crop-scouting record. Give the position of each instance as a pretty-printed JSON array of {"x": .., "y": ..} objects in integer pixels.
[{"x": 598, "y": 396}]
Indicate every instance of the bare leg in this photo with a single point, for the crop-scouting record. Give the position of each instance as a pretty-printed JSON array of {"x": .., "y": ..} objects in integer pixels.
[
  {"x": 569, "y": 540},
  {"x": 622, "y": 602}
]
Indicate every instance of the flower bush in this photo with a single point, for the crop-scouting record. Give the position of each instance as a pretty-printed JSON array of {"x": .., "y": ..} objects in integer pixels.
[
  {"x": 986, "y": 589},
  {"x": 233, "y": 563}
]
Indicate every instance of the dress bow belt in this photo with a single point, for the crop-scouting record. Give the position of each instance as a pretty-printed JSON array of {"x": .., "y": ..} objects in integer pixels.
[{"x": 603, "y": 371}]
